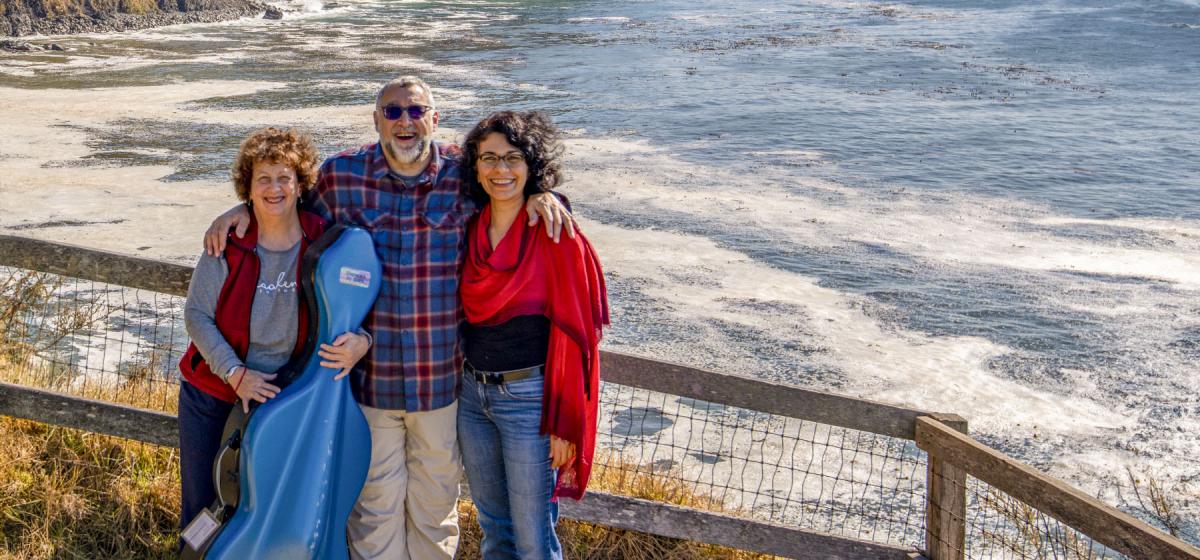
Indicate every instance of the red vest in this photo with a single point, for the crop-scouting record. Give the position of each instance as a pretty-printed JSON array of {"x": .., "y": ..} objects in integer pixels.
[{"x": 236, "y": 301}]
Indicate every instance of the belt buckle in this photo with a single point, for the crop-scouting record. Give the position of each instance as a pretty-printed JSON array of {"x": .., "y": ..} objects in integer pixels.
[
  {"x": 492, "y": 378},
  {"x": 485, "y": 377},
  {"x": 499, "y": 377}
]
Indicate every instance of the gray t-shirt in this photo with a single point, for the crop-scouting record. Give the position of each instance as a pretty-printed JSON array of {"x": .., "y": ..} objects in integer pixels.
[
  {"x": 273, "y": 316},
  {"x": 408, "y": 182}
]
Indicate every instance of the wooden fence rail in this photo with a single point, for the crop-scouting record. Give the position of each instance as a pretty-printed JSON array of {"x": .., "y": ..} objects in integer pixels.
[
  {"x": 1103, "y": 523},
  {"x": 95, "y": 265},
  {"x": 952, "y": 454},
  {"x": 601, "y": 508}
]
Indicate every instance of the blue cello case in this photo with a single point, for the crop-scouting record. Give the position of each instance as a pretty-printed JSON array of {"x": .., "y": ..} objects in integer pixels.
[{"x": 302, "y": 457}]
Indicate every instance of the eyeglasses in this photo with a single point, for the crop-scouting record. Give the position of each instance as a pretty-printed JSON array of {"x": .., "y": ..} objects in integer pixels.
[
  {"x": 393, "y": 112},
  {"x": 511, "y": 159}
]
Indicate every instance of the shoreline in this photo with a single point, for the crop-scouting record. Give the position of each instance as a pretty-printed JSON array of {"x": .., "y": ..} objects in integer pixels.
[
  {"x": 20, "y": 25},
  {"x": 751, "y": 313}
]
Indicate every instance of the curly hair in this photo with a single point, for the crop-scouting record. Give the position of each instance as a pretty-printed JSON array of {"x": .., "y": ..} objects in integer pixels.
[
  {"x": 275, "y": 145},
  {"x": 533, "y": 133}
]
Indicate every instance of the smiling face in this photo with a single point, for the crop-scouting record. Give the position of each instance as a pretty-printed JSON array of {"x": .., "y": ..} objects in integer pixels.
[
  {"x": 406, "y": 142},
  {"x": 501, "y": 169},
  {"x": 273, "y": 190}
]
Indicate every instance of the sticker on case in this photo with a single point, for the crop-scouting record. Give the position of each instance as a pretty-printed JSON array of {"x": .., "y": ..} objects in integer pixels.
[{"x": 355, "y": 277}]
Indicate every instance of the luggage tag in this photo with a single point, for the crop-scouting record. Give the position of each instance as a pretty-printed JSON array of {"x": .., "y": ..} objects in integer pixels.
[{"x": 202, "y": 528}]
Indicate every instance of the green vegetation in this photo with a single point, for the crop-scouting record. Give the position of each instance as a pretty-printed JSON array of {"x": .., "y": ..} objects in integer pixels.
[{"x": 138, "y": 7}]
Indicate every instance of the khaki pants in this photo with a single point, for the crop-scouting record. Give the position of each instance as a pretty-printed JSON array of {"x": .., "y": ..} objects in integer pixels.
[{"x": 408, "y": 506}]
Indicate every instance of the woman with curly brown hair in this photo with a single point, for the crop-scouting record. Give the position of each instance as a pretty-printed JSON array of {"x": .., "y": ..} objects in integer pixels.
[
  {"x": 245, "y": 312},
  {"x": 534, "y": 309}
]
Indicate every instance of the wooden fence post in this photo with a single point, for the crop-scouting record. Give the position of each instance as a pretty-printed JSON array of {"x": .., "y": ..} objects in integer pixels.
[{"x": 946, "y": 502}]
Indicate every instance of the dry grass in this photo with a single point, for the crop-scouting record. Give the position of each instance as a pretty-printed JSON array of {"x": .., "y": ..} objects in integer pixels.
[
  {"x": 586, "y": 541},
  {"x": 1030, "y": 533},
  {"x": 32, "y": 295},
  {"x": 1024, "y": 530},
  {"x": 138, "y": 7},
  {"x": 1163, "y": 502},
  {"x": 67, "y": 494},
  {"x": 70, "y": 494},
  {"x": 612, "y": 474}
]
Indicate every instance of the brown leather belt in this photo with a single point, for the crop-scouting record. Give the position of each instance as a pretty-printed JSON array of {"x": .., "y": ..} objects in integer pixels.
[{"x": 501, "y": 377}]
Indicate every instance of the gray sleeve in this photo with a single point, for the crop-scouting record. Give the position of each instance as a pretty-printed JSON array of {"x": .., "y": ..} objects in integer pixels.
[{"x": 200, "y": 314}]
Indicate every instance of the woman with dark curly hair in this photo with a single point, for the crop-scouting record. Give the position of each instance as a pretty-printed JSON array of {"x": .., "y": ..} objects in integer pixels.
[
  {"x": 535, "y": 309},
  {"x": 245, "y": 312}
]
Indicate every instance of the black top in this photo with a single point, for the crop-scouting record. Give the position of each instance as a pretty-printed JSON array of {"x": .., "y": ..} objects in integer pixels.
[{"x": 518, "y": 343}]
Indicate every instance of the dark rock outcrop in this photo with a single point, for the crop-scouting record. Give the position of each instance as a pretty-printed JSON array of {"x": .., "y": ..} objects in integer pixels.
[
  {"x": 273, "y": 13},
  {"x": 56, "y": 17},
  {"x": 19, "y": 46}
]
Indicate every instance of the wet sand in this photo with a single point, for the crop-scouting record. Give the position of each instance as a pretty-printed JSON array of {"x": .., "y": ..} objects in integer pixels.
[{"x": 126, "y": 209}]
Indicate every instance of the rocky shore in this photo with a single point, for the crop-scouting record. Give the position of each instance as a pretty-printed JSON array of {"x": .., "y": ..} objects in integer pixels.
[{"x": 59, "y": 17}]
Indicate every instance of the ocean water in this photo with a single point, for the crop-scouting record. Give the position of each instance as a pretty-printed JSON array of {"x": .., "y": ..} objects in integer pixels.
[{"x": 983, "y": 207}]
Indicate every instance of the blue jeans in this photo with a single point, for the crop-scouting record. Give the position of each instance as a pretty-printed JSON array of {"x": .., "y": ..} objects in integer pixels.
[
  {"x": 201, "y": 422},
  {"x": 508, "y": 467}
]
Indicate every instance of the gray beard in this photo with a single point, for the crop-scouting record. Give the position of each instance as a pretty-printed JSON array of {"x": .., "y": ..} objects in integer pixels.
[{"x": 410, "y": 155}]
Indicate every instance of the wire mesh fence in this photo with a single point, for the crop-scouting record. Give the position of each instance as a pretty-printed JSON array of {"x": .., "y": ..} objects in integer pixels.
[
  {"x": 1001, "y": 527},
  {"x": 121, "y": 344},
  {"x": 774, "y": 468},
  {"x": 90, "y": 339}
]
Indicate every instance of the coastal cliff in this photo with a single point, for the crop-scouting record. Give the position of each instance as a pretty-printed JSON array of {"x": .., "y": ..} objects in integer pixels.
[{"x": 54, "y": 17}]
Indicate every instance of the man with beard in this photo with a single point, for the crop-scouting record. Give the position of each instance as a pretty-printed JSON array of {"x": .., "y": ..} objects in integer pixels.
[{"x": 406, "y": 190}]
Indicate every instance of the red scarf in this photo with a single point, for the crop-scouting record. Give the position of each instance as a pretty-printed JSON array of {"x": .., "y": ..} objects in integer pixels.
[{"x": 529, "y": 274}]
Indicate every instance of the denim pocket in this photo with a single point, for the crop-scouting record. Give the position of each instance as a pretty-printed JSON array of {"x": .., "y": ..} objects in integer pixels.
[{"x": 528, "y": 389}]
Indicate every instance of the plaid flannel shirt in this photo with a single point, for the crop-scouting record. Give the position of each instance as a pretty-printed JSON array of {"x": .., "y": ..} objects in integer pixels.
[{"x": 419, "y": 234}]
